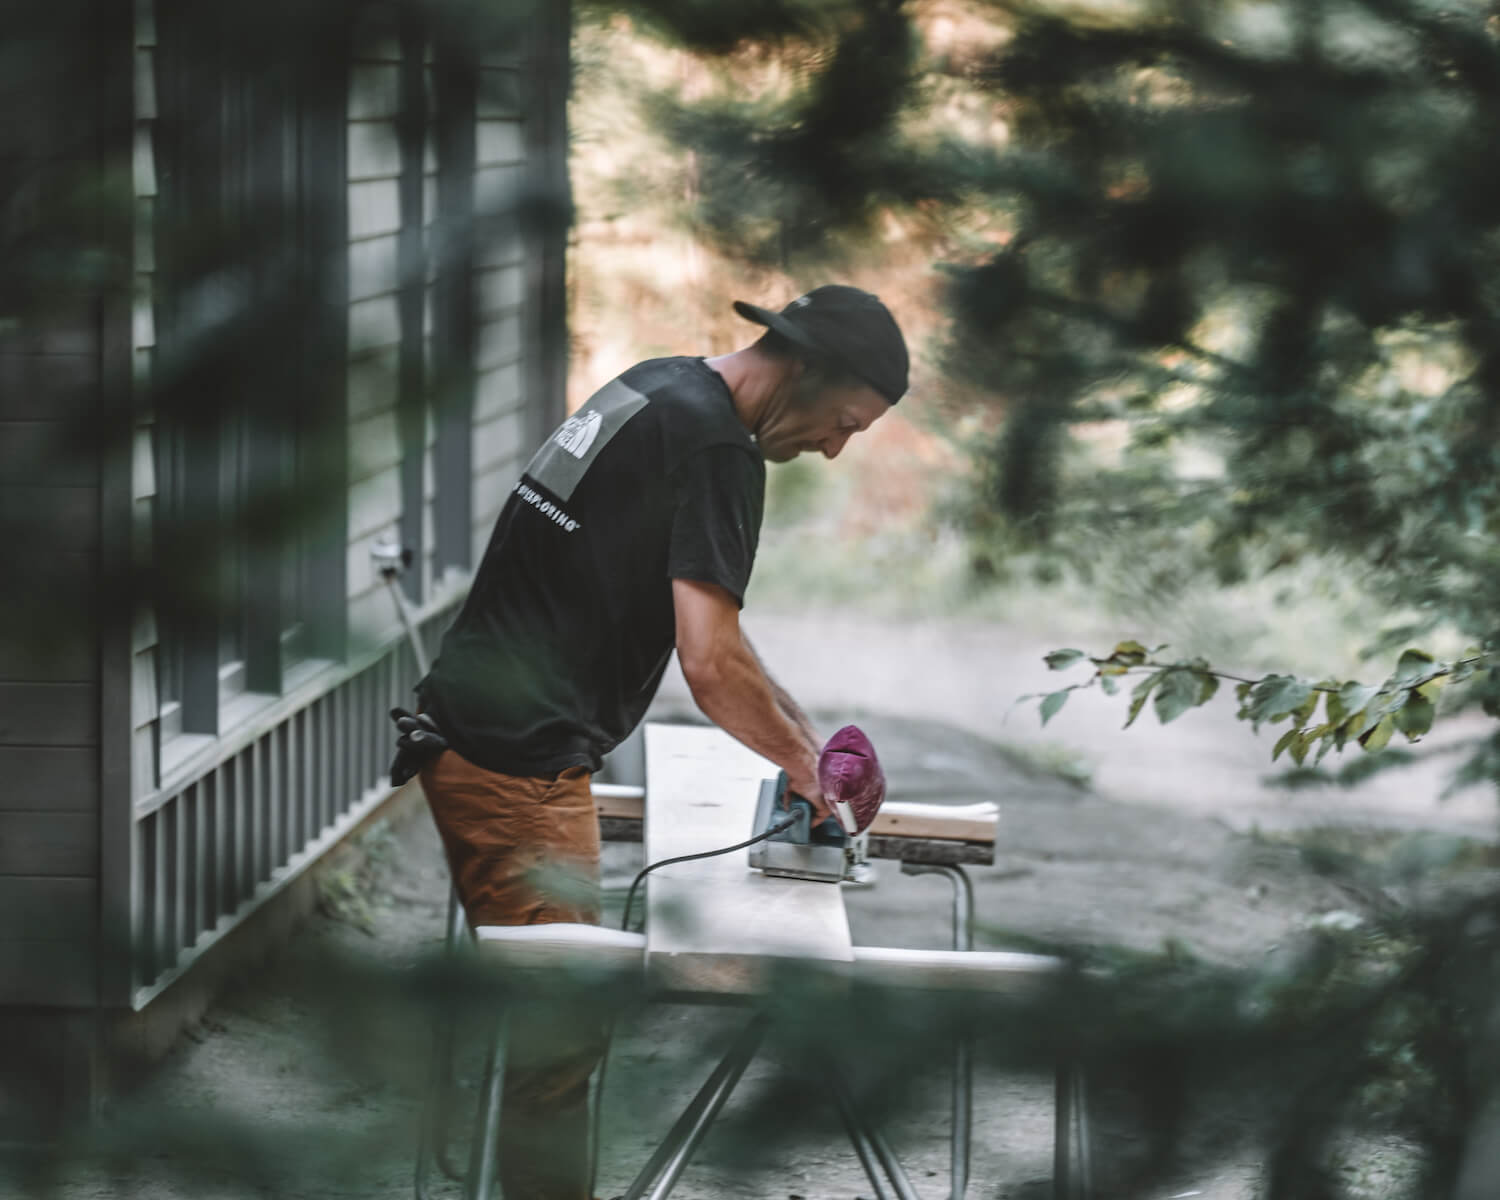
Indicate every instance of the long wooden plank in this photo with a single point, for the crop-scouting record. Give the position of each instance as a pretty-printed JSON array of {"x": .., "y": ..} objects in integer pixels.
[
  {"x": 714, "y": 925},
  {"x": 896, "y": 821},
  {"x": 963, "y": 823}
]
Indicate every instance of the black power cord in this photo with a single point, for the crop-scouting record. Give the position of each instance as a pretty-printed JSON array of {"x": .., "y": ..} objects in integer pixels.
[{"x": 667, "y": 862}]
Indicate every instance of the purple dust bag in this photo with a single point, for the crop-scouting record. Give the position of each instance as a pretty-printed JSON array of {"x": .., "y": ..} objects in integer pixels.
[{"x": 851, "y": 778}]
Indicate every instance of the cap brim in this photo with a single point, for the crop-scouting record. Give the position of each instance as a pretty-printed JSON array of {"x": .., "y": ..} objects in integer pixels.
[{"x": 764, "y": 316}]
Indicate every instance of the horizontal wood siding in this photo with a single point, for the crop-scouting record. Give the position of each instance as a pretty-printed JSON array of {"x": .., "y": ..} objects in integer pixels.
[
  {"x": 502, "y": 426},
  {"x": 49, "y": 843},
  {"x": 50, "y": 496},
  {"x": 374, "y": 450}
]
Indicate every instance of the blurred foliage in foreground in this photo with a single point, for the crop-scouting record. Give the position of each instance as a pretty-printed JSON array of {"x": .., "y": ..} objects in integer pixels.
[
  {"x": 1248, "y": 250},
  {"x": 1338, "y": 1067},
  {"x": 1229, "y": 275}
]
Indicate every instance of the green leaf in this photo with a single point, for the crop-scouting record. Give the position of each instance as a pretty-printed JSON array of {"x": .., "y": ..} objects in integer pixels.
[
  {"x": 1383, "y": 705},
  {"x": 1376, "y": 737},
  {"x": 1430, "y": 689},
  {"x": 1178, "y": 693},
  {"x": 1353, "y": 697},
  {"x": 1139, "y": 695},
  {"x": 1275, "y": 697},
  {"x": 1208, "y": 685},
  {"x": 1414, "y": 718},
  {"x": 1109, "y": 683},
  {"x": 1300, "y": 742},
  {"x": 1282, "y": 743},
  {"x": 1412, "y": 663},
  {"x": 1131, "y": 653},
  {"x": 1060, "y": 659},
  {"x": 1053, "y": 703}
]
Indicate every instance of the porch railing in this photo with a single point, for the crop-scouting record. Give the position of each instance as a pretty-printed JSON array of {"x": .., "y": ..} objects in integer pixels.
[{"x": 212, "y": 849}]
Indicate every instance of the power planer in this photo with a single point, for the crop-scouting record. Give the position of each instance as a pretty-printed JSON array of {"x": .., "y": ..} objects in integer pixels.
[{"x": 854, "y": 787}]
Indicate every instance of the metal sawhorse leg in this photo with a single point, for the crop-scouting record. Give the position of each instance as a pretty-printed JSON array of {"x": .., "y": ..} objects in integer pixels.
[
  {"x": 1071, "y": 1155},
  {"x": 437, "y": 1101}
]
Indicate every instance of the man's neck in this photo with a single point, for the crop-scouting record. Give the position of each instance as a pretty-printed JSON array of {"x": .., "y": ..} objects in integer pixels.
[{"x": 758, "y": 385}]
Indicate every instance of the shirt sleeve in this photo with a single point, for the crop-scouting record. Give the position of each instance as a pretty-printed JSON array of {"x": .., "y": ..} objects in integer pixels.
[{"x": 719, "y": 496}]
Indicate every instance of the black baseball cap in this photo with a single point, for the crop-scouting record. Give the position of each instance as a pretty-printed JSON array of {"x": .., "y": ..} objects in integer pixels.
[{"x": 851, "y": 327}]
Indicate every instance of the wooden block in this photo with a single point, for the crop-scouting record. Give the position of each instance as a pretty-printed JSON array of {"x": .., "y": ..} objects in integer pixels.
[
  {"x": 932, "y": 851},
  {"x": 714, "y": 925},
  {"x": 964, "y": 823}
]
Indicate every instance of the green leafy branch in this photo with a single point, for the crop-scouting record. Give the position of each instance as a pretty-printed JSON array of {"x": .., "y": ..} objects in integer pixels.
[{"x": 1369, "y": 714}]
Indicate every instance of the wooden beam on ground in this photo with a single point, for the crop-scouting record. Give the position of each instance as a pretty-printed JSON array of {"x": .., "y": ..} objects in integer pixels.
[{"x": 715, "y": 925}]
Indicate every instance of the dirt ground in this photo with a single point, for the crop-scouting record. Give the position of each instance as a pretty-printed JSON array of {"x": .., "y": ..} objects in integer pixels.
[{"x": 291, "y": 1087}]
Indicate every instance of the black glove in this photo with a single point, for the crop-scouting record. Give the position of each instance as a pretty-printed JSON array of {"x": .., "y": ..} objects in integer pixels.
[{"x": 418, "y": 742}]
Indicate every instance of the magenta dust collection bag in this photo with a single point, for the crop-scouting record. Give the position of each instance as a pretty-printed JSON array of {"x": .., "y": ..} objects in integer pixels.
[{"x": 851, "y": 779}]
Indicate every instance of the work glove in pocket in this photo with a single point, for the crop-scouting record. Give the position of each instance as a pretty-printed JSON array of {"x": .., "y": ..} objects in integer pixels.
[{"x": 418, "y": 742}]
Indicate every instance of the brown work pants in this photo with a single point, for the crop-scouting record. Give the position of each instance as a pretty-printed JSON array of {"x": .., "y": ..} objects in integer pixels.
[{"x": 525, "y": 851}]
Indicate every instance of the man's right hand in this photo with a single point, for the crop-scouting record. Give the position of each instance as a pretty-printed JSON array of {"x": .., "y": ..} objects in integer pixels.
[{"x": 809, "y": 789}]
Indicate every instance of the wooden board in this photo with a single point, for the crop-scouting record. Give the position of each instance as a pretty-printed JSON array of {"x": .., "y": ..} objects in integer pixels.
[
  {"x": 714, "y": 925},
  {"x": 963, "y": 823},
  {"x": 916, "y": 833}
]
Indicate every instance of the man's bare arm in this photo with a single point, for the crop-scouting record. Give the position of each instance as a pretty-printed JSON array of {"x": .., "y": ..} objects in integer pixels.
[
  {"x": 789, "y": 707},
  {"x": 732, "y": 688}
]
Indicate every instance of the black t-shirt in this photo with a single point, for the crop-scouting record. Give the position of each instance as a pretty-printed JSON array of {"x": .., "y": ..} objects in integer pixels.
[{"x": 565, "y": 634}]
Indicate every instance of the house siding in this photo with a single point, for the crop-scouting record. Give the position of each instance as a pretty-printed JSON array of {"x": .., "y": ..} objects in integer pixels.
[
  {"x": 100, "y": 827},
  {"x": 49, "y": 677}
]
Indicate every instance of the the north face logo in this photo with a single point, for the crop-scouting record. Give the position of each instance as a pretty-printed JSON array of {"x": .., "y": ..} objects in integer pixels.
[{"x": 578, "y": 433}]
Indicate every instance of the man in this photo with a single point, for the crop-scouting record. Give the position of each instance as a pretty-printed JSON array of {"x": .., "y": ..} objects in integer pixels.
[{"x": 632, "y": 530}]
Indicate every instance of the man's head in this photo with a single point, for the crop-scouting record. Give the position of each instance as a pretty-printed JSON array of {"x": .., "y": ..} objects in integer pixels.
[{"x": 842, "y": 364}]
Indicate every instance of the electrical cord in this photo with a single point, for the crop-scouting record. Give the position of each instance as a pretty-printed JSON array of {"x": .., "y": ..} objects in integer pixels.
[{"x": 667, "y": 862}]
